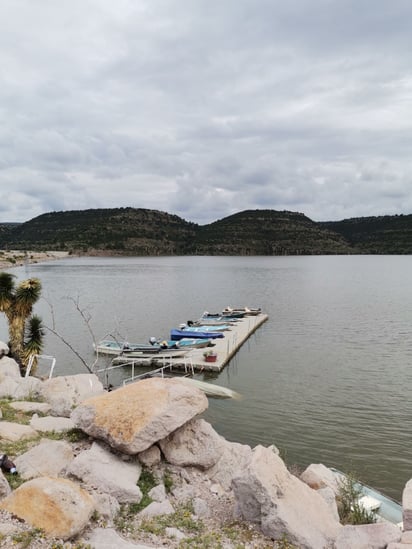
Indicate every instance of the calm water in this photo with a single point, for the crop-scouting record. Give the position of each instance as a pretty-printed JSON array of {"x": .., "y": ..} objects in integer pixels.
[{"x": 327, "y": 379}]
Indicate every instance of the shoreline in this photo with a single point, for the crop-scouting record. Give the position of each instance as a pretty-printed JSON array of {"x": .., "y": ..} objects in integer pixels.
[{"x": 17, "y": 258}]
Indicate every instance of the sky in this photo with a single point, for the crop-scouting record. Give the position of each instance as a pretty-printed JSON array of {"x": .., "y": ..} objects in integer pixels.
[{"x": 204, "y": 108}]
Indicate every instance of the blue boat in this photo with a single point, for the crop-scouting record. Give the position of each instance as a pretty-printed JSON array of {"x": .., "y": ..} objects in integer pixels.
[{"x": 176, "y": 335}]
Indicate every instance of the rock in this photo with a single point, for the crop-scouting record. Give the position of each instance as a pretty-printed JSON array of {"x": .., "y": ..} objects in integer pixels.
[
  {"x": 5, "y": 489},
  {"x": 158, "y": 493},
  {"x": 151, "y": 456},
  {"x": 105, "y": 472},
  {"x": 49, "y": 458},
  {"x": 407, "y": 506},
  {"x": 175, "y": 533},
  {"x": 35, "y": 407},
  {"x": 50, "y": 423},
  {"x": 200, "y": 508},
  {"x": 329, "y": 496},
  {"x": 194, "y": 444},
  {"x": 138, "y": 415},
  {"x": 62, "y": 509},
  {"x": 107, "y": 538},
  {"x": 14, "y": 431},
  {"x": 318, "y": 476},
  {"x": 7, "y": 529},
  {"x": 157, "y": 508},
  {"x": 63, "y": 393},
  {"x": 107, "y": 507},
  {"x": 367, "y": 536},
  {"x": 20, "y": 388},
  {"x": 4, "y": 349},
  {"x": 234, "y": 459},
  {"x": 267, "y": 494},
  {"x": 9, "y": 368}
]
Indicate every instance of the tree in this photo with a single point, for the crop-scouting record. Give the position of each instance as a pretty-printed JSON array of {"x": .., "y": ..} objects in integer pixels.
[{"x": 26, "y": 334}]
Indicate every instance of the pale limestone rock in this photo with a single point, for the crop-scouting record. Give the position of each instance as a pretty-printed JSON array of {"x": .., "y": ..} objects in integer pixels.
[
  {"x": 194, "y": 444},
  {"x": 151, "y": 456},
  {"x": 267, "y": 494},
  {"x": 50, "y": 423},
  {"x": 156, "y": 508},
  {"x": 367, "y": 536},
  {"x": 158, "y": 493},
  {"x": 64, "y": 393},
  {"x": 234, "y": 459},
  {"x": 20, "y": 388},
  {"x": 107, "y": 538},
  {"x": 138, "y": 415},
  {"x": 200, "y": 508},
  {"x": 5, "y": 489},
  {"x": 407, "y": 506},
  {"x": 175, "y": 533},
  {"x": 14, "y": 431},
  {"x": 49, "y": 458},
  {"x": 35, "y": 407},
  {"x": 107, "y": 507},
  {"x": 62, "y": 509},
  {"x": 329, "y": 496},
  {"x": 9, "y": 368},
  {"x": 318, "y": 476},
  {"x": 400, "y": 545},
  {"x": 105, "y": 472},
  {"x": 8, "y": 387},
  {"x": 4, "y": 349}
]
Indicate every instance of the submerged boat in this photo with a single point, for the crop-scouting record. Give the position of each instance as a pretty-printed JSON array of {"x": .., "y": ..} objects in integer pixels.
[{"x": 384, "y": 507}]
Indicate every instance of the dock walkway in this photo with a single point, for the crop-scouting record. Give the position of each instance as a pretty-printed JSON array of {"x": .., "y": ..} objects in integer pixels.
[{"x": 225, "y": 348}]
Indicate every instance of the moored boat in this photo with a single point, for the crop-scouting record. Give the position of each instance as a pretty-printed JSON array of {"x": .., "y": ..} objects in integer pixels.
[
  {"x": 176, "y": 335},
  {"x": 112, "y": 347}
]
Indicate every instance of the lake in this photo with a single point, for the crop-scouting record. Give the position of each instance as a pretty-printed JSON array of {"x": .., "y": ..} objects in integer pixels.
[{"x": 327, "y": 378}]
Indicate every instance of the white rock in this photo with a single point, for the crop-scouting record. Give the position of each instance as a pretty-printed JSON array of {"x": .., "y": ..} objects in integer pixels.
[
  {"x": 367, "y": 536},
  {"x": 64, "y": 393},
  {"x": 14, "y": 431},
  {"x": 158, "y": 493},
  {"x": 50, "y": 423},
  {"x": 329, "y": 496},
  {"x": 267, "y": 494},
  {"x": 107, "y": 507},
  {"x": 175, "y": 533},
  {"x": 9, "y": 368},
  {"x": 5, "y": 489},
  {"x": 49, "y": 458},
  {"x": 157, "y": 508},
  {"x": 105, "y": 472},
  {"x": 200, "y": 508},
  {"x": 151, "y": 456},
  {"x": 318, "y": 476},
  {"x": 107, "y": 538},
  {"x": 134, "y": 417},
  {"x": 234, "y": 459},
  {"x": 407, "y": 506},
  {"x": 28, "y": 407},
  {"x": 4, "y": 349},
  {"x": 194, "y": 444}
]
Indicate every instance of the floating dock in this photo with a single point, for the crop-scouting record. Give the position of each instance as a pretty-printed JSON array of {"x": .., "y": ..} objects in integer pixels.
[{"x": 194, "y": 359}]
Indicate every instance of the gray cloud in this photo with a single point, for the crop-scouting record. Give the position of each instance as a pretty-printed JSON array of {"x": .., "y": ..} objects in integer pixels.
[{"x": 205, "y": 108}]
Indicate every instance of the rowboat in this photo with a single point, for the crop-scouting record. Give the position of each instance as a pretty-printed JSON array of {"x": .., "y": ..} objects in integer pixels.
[
  {"x": 176, "y": 335},
  {"x": 243, "y": 310},
  {"x": 112, "y": 347},
  {"x": 384, "y": 507},
  {"x": 205, "y": 327}
]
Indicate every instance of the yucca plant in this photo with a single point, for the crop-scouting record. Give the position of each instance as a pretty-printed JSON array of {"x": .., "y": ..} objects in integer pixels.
[{"x": 26, "y": 333}]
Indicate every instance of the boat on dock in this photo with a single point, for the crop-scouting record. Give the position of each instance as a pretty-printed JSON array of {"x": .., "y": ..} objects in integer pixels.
[
  {"x": 176, "y": 335},
  {"x": 155, "y": 346}
]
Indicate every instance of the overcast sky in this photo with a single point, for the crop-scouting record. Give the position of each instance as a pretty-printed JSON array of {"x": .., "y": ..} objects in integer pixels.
[{"x": 203, "y": 108}]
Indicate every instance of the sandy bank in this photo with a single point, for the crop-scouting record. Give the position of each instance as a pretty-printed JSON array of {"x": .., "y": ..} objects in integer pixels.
[{"x": 16, "y": 258}]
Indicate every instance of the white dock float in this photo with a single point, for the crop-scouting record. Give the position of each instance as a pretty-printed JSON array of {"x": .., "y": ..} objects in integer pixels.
[{"x": 225, "y": 347}]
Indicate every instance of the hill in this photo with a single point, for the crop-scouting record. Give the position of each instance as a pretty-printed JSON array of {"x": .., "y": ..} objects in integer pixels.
[{"x": 138, "y": 231}]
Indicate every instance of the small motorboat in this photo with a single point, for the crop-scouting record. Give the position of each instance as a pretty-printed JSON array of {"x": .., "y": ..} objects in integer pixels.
[
  {"x": 205, "y": 327},
  {"x": 155, "y": 346},
  {"x": 246, "y": 311},
  {"x": 176, "y": 335}
]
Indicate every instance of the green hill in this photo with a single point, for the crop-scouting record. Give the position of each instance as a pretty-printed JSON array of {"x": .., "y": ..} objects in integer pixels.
[{"x": 138, "y": 231}]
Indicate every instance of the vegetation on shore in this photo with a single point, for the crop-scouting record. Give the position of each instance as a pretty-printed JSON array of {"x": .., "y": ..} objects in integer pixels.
[{"x": 143, "y": 232}]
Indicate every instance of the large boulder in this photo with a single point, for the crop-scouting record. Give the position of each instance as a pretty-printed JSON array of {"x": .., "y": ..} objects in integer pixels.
[
  {"x": 49, "y": 458},
  {"x": 138, "y": 415},
  {"x": 64, "y": 393},
  {"x": 234, "y": 459},
  {"x": 58, "y": 506},
  {"x": 20, "y": 388},
  {"x": 196, "y": 443},
  {"x": 15, "y": 431},
  {"x": 9, "y": 368},
  {"x": 267, "y": 494},
  {"x": 107, "y": 473},
  {"x": 367, "y": 536},
  {"x": 51, "y": 423},
  {"x": 319, "y": 476},
  {"x": 407, "y": 506}
]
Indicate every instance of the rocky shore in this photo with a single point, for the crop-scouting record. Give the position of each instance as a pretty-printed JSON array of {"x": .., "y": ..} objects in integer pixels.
[
  {"x": 16, "y": 258},
  {"x": 138, "y": 468}
]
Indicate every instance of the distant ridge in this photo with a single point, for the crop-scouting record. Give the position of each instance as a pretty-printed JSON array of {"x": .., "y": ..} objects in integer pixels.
[{"x": 139, "y": 231}]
